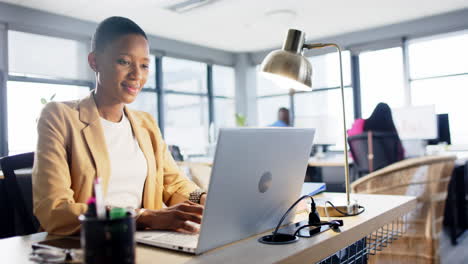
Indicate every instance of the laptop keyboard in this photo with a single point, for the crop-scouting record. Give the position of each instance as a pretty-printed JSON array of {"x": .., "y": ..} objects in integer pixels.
[{"x": 169, "y": 237}]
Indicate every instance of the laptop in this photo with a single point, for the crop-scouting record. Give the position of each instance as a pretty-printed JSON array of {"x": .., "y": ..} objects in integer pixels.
[{"x": 257, "y": 174}]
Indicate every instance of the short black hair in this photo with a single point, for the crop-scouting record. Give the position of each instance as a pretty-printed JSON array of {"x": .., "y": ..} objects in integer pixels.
[
  {"x": 112, "y": 28},
  {"x": 283, "y": 109}
]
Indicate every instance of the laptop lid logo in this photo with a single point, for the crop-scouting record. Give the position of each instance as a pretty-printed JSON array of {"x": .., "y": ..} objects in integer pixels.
[{"x": 265, "y": 182}]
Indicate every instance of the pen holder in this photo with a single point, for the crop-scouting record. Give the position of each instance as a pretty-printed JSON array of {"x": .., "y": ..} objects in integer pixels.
[{"x": 108, "y": 240}]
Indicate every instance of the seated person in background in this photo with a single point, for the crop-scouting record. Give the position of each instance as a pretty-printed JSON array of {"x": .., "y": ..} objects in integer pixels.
[
  {"x": 99, "y": 137},
  {"x": 380, "y": 120},
  {"x": 283, "y": 118}
]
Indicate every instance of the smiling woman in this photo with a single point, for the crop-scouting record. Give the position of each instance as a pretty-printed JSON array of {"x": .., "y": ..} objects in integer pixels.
[{"x": 99, "y": 137}]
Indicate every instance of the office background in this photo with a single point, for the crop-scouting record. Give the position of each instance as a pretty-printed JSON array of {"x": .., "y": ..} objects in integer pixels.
[{"x": 194, "y": 90}]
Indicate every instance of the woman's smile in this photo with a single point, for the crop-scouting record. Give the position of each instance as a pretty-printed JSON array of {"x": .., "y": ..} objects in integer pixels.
[{"x": 131, "y": 88}]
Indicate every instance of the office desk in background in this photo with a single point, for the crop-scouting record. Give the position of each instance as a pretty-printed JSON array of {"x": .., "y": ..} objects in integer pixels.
[
  {"x": 328, "y": 169},
  {"x": 335, "y": 160},
  {"x": 327, "y": 161},
  {"x": 381, "y": 210}
]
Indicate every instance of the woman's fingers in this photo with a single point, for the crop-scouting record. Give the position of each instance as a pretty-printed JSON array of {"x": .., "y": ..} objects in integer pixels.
[
  {"x": 183, "y": 217},
  {"x": 181, "y": 230},
  {"x": 189, "y": 216},
  {"x": 191, "y": 208},
  {"x": 188, "y": 227}
]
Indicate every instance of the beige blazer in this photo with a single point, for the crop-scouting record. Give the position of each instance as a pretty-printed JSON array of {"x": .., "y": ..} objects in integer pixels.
[{"x": 71, "y": 153}]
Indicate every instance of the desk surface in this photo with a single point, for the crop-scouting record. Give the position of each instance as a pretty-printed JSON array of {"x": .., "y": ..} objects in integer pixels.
[
  {"x": 380, "y": 210},
  {"x": 329, "y": 161}
]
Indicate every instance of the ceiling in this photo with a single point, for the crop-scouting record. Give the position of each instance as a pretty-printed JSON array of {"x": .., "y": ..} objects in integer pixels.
[{"x": 249, "y": 25}]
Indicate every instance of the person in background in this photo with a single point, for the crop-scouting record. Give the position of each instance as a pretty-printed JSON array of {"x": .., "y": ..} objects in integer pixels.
[
  {"x": 380, "y": 120},
  {"x": 99, "y": 137},
  {"x": 283, "y": 118}
]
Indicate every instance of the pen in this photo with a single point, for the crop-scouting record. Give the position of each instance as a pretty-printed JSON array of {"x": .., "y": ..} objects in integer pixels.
[
  {"x": 100, "y": 207},
  {"x": 91, "y": 207}
]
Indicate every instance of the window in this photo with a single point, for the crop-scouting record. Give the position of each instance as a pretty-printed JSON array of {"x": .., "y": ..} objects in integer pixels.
[
  {"x": 47, "y": 57},
  {"x": 146, "y": 101},
  {"x": 439, "y": 76},
  {"x": 223, "y": 81},
  {"x": 266, "y": 87},
  {"x": 184, "y": 76},
  {"x": 268, "y": 108},
  {"x": 186, "y": 122},
  {"x": 22, "y": 121},
  {"x": 224, "y": 112},
  {"x": 270, "y": 97},
  {"x": 224, "y": 93},
  {"x": 452, "y": 101},
  {"x": 52, "y": 67},
  {"x": 322, "y": 108},
  {"x": 151, "y": 81},
  {"x": 438, "y": 56},
  {"x": 326, "y": 70},
  {"x": 186, "y": 105},
  {"x": 381, "y": 79}
]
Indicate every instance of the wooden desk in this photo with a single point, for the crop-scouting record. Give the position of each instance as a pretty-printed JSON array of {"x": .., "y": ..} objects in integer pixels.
[
  {"x": 380, "y": 210},
  {"x": 329, "y": 161},
  {"x": 335, "y": 162}
]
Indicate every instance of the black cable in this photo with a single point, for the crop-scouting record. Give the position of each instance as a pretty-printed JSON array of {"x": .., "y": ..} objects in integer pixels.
[
  {"x": 344, "y": 213},
  {"x": 333, "y": 224},
  {"x": 313, "y": 209},
  {"x": 290, "y": 208}
]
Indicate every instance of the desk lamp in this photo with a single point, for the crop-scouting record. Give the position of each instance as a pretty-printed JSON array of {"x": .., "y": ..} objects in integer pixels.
[{"x": 290, "y": 69}]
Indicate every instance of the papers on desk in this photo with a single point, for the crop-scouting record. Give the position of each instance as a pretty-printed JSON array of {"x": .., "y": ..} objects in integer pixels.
[{"x": 313, "y": 188}]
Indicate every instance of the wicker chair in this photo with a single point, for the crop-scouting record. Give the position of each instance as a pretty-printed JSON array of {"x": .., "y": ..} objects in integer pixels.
[
  {"x": 198, "y": 172},
  {"x": 426, "y": 178}
]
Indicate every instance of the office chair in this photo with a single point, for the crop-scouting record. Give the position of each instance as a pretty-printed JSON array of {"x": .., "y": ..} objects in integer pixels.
[
  {"x": 175, "y": 152},
  {"x": 19, "y": 195},
  {"x": 374, "y": 150},
  {"x": 6, "y": 222}
]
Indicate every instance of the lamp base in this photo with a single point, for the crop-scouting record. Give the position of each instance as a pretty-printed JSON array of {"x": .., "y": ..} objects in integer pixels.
[{"x": 341, "y": 204}]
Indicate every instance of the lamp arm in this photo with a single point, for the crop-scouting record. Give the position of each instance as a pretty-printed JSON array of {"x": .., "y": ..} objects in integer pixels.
[{"x": 345, "y": 137}]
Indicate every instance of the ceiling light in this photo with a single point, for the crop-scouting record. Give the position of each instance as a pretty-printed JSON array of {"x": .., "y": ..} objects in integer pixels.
[
  {"x": 182, "y": 6},
  {"x": 274, "y": 18},
  {"x": 281, "y": 15}
]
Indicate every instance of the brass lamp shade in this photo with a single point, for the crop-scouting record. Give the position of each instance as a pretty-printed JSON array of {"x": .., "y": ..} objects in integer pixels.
[{"x": 288, "y": 66}]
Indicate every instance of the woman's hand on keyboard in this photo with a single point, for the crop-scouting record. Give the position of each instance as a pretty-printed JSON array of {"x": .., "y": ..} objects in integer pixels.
[{"x": 179, "y": 217}]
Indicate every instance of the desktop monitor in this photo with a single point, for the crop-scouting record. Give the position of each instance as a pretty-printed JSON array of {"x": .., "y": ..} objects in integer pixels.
[
  {"x": 416, "y": 123},
  {"x": 443, "y": 130}
]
